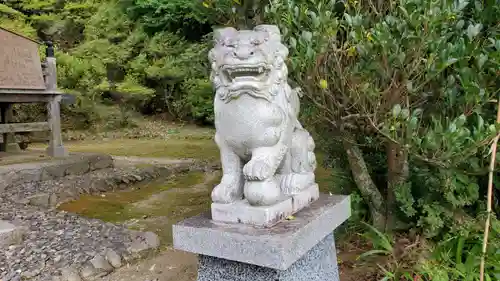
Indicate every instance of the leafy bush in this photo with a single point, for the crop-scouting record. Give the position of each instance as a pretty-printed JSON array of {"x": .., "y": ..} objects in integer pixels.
[
  {"x": 411, "y": 78},
  {"x": 199, "y": 98},
  {"x": 456, "y": 257}
]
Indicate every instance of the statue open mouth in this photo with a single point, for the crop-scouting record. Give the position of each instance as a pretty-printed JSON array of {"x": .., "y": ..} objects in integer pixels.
[{"x": 246, "y": 73}]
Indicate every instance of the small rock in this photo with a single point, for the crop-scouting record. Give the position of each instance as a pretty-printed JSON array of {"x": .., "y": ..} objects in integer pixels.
[
  {"x": 10, "y": 234},
  {"x": 41, "y": 200},
  {"x": 70, "y": 274},
  {"x": 53, "y": 200},
  {"x": 101, "y": 264},
  {"x": 113, "y": 258},
  {"x": 30, "y": 274},
  {"x": 138, "y": 246},
  {"x": 152, "y": 239},
  {"x": 88, "y": 271}
]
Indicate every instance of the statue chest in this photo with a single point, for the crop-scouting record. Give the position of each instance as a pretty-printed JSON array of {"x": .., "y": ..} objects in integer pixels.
[{"x": 248, "y": 122}]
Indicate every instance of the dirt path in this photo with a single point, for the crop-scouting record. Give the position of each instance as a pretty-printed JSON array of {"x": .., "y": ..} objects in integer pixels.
[{"x": 170, "y": 265}]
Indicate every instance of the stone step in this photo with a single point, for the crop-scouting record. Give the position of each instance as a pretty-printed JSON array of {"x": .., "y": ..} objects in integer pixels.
[{"x": 75, "y": 164}]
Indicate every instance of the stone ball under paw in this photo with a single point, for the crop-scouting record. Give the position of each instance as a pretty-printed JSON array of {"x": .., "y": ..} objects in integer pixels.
[{"x": 262, "y": 193}]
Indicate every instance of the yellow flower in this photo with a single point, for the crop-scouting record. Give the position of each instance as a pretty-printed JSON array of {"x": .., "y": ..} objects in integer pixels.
[
  {"x": 351, "y": 51},
  {"x": 369, "y": 36},
  {"x": 323, "y": 84}
]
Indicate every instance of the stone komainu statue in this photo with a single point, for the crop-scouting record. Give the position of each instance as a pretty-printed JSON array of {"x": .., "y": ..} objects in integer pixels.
[{"x": 266, "y": 154}]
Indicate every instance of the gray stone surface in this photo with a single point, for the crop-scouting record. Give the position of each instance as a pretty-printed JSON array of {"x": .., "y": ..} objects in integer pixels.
[
  {"x": 265, "y": 151},
  {"x": 277, "y": 247},
  {"x": 77, "y": 164},
  {"x": 305, "y": 197},
  {"x": 113, "y": 258},
  {"x": 7, "y": 230},
  {"x": 70, "y": 274},
  {"x": 100, "y": 263},
  {"x": 318, "y": 264},
  {"x": 242, "y": 212}
]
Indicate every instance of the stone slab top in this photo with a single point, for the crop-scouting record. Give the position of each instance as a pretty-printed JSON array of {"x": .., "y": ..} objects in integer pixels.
[{"x": 276, "y": 247}]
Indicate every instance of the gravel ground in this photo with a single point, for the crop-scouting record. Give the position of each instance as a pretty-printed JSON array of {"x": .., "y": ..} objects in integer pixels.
[
  {"x": 59, "y": 246},
  {"x": 55, "y": 240}
]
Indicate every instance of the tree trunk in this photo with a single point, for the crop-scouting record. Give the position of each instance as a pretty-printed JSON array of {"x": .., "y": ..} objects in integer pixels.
[
  {"x": 365, "y": 184},
  {"x": 243, "y": 11},
  {"x": 397, "y": 174}
]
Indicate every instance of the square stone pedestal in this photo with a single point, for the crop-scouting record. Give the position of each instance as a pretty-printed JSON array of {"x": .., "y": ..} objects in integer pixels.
[
  {"x": 299, "y": 249},
  {"x": 243, "y": 212}
]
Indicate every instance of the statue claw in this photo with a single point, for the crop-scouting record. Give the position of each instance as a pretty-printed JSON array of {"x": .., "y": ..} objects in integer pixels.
[
  {"x": 264, "y": 162},
  {"x": 229, "y": 190},
  {"x": 258, "y": 169}
]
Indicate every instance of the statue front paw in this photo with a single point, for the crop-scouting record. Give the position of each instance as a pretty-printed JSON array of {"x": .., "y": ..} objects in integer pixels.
[
  {"x": 258, "y": 169},
  {"x": 229, "y": 190},
  {"x": 264, "y": 162}
]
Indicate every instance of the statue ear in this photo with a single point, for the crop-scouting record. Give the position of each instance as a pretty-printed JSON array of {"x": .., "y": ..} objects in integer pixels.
[
  {"x": 222, "y": 33},
  {"x": 272, "y": 30}
]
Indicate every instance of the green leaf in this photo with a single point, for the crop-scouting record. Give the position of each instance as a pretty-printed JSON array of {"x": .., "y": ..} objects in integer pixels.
[
  {"x": 405, "y": 113},
  {"x": 461, "y": 120},
  {"x": 307, "y": 36},
  {"x": 473, "y": 30},
  {"x": 348, "y": 19},
  {"x": 460, "y": 24},
  {"x": 4, "y": 9},
  {"x": 480, "y": 122},
  {"x": 373, "y": 252},
  {"x": 396, "y": 110},
  {"x": 481, "y": 60},
  {"x": 452, "y": 128},
  {"x": 413, "y": 122},
  {"x": 293, "y": 42},
  {"x": 381, "y": 239},
  {"x": 460, "y": 247},
  {"x": 450, "y": 61}
]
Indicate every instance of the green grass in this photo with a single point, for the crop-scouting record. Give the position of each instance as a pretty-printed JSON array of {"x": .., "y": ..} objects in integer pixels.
[{"x": 171, "y": 148}]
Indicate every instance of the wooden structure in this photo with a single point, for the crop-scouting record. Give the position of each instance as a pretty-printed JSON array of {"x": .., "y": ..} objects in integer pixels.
[{"x": 25, "y": 79}]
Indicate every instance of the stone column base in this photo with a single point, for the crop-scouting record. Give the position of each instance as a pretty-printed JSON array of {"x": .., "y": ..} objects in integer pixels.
[
  {"x": 58, "y": 151},
  {"x": 318, "y": 264},
  {"x": 301, "y": 248}
]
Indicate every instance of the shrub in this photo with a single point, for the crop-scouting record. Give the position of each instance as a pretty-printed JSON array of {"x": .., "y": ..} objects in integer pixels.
[{"x": 412, "y": 80}]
